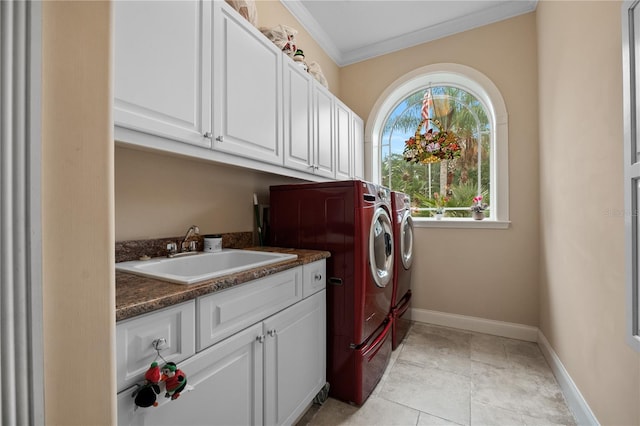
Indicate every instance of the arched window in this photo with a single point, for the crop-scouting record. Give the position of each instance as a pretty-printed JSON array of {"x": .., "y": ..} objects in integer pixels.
[{"x": 464, "y": 103}]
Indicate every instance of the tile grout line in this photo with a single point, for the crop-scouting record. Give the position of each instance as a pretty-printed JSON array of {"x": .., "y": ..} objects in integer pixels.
[{"x": 454, "y": 344}]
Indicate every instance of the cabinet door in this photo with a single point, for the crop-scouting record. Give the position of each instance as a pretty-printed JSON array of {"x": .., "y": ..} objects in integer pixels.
[
  {"x": 162, "y": 83},
  {"x": 227, "y": 382},
  {"x": 298, "y": 120},
  {"x": 295, "y": 359},
  {"x": 357, "y": 130},
  {"x": 247, "y": 84},
  {"x": 343, "y": 141},
  {"x": 323, "y": 131}
]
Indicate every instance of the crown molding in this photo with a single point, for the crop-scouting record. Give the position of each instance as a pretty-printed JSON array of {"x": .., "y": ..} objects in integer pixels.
[
  {"x": 504, "y": 10},
  {"x": 301, "y": 13}
]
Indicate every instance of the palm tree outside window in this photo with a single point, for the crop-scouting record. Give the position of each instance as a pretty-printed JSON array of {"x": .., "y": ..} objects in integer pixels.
[{"x": 460, "y": 179}]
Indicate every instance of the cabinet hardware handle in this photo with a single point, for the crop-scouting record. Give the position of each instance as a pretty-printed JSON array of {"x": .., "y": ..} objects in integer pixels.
[
  {"x": 260, "y": 338},
  {"x": 272, "y": 333},
  {"x": 158, "y": 343},
  {"x": 220, "y": 139},
  {"x": 317, "y": 277},
  {"x": 208, "y": 135}
]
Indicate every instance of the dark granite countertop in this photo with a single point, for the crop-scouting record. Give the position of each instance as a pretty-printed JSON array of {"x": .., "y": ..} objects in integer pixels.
[{"x": 136, "y": 295}]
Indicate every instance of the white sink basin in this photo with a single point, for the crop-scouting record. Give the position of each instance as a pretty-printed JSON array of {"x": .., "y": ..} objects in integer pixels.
[{"x": 203, "y": 266}]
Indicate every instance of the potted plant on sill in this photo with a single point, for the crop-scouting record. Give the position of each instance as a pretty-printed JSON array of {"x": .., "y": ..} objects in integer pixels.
[
  {"x": 440, "y": 202},
  {"x": 478, "y": 208}
]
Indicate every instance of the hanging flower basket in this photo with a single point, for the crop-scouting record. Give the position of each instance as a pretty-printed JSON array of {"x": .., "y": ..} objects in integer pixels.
[{"x": 432, "y": 146}]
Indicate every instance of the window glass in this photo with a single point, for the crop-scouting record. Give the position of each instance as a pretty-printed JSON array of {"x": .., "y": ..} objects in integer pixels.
[
  {"x": 635, "y": 46},
  {"x": 451, "y": 184},
  {"x": 634, "y": 272}
]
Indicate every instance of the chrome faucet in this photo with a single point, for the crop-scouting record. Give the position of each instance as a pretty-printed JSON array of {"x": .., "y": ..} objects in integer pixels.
[
  {"x": 185, "y": 247},
  {"x": 191, "y": 232}
]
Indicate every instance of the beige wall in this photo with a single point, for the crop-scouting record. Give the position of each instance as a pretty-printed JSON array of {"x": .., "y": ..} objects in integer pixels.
[
  {"x": 499, "y": 279},
  {"x": 161, "y": 196},
  {"x": 77, "y": 215},
  {"x": 272, "y": 13},
  {"x": 581, "y": 173},
  {"x": 576, "y": 254}
]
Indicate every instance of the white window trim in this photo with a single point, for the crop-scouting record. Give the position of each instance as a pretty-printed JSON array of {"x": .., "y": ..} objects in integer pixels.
[
  {"x": 459, "y": 222},
  {"x": 479, "y": 85},
  {"x": 631, "y": 101}
]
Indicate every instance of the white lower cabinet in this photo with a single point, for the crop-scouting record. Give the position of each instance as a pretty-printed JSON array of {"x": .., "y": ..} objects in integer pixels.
[
  {"x": 264, "y": 374},
  {"x": 294, "y": 359},
  {"x": 227, "y": 388}
]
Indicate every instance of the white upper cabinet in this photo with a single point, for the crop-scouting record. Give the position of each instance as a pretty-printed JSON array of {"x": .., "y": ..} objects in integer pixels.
[
  {"x": 162, "y": 71},
  {"x": 298, "y": 117},
  {"x": 357, "y": 129},
  {"x": 309, "y": 139},
  {"x": 323, "y": 132},
  {"x": 247, "y": 72},
  {"x": 349, "y": 133},
  {"x": 343, "y": 142},
  {"x": 194, "y": 78}
]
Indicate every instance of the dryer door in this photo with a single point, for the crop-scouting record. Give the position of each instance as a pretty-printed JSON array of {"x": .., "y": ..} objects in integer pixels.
[
  {"x": 381, "y": 248},
  {"x": 406, "y": 240}
]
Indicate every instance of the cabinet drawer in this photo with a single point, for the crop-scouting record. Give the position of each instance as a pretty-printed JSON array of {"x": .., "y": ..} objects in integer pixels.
[
  {"x": 224, "y": 313},
  {"x": 134, "y": 337},
  {"x": 314, "y": 277}
]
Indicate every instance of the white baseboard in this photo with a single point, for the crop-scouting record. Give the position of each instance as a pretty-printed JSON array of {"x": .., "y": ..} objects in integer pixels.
[
  {"x": 481, "y": 325},
  {"x": 576, "y": 402}
]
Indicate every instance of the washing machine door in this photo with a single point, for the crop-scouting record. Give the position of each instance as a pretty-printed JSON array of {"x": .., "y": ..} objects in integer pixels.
[
  {"x": 381, "y": 248},
  {"x": 406, "y": 240}
]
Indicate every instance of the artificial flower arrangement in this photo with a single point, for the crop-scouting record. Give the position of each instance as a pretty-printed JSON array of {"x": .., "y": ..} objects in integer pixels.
[
  {"x": 432, "y": 146},
  {"x": 478, "y": 206},
  {"x": 440, "y": 202}
]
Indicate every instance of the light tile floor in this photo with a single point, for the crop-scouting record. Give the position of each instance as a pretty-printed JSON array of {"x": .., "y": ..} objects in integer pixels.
[{"x": 445, "y": 376}]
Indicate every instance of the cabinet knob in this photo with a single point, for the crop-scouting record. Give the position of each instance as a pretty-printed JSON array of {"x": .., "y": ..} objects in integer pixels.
[
  {"x": 317, "y": 276},
  {"x": 159, "y": 343},
  {"x": 208, "y": 135},
  {"x": 220, "y": 139},
  {"x": 260, "y": 338},
  {"x": 272, "y": 333}
]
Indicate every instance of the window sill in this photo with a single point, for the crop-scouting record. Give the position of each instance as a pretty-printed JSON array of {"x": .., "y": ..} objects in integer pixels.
[{"x": 453, "y": 222}]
